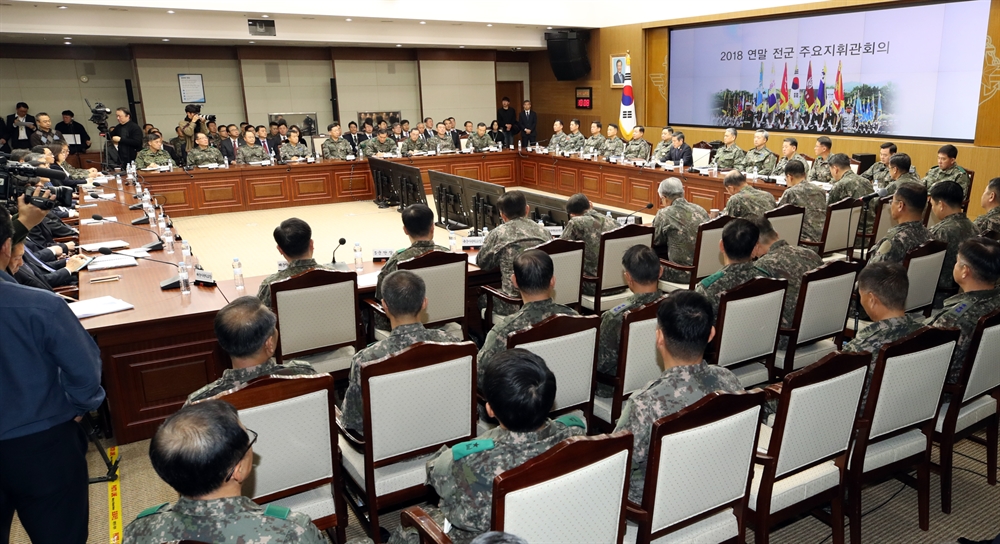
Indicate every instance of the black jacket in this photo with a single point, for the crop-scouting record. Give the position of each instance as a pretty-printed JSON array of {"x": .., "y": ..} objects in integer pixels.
[
  {"x": 12, "y": 132},
  {"x": 130, "y": 143},
  {"x": 74, "y": 128},
  {"x": 682, "y": 153}
]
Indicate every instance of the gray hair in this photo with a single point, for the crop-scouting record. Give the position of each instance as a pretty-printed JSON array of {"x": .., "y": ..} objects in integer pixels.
[
  {"x": 732, "y": 131},
  {"x": 763, "y": 133},
  {"x": 671, "y": 188}
]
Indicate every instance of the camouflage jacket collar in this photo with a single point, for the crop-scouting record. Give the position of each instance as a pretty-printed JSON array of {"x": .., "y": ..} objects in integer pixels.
[
  {"x": 886, "y": 324},
  {"x": 302, "y": 263},
  {"x": 679, "y": 201},
  {"x": 214, "y": 508},
  {"x": 407, "y": 329},
  {"x": 423, "y": 243},
  {"x": 735, "y": 267},
  {"x": 972, "y": 297},
  {"x": 640, "y": 299},
  {"x": 540, "y": 304},
  {"x": 994, "y": 212},
  {"x": 908, "y": 225},
  {"x": 531, "y": 437},
  {"x": 246, "y": 374},
  {"x": 777, "y": 246},
  {"x": 953, "y": 218}
]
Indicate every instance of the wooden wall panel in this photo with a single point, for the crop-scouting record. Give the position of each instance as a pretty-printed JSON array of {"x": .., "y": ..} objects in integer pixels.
[{"x": 988, "y": 127}]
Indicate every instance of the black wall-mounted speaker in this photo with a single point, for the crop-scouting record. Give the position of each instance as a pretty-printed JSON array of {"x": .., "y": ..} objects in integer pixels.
[{"x": 568, "y": 54}]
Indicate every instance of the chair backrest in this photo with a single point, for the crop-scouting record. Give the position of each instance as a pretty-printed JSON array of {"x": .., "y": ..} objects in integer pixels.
[
  {"x": 568, "y": 344},
  {"x": 855, "y": 164},
  {"x": 705, "y": 449},
  {"x": 841, "y": 225},
  {"x": 614, "y": 244},
  {"x": 296, "y": 445},
  {"x": 825, "y": 396},
  {"x": 923, "y": 267},
  {"x": 444, "y": 274},
  {"x": 574, "y": 492},
  {"x": 984, "y": 352},
  {"x": 302, "y": 304},
  {"x": 436, "y": 383},
  {"x": 787, "y": 221},
  {"x": 908, "y": 379},
  {"x": 708, "y": 256},
  {"x": 824, "y": 299},
  {"x": 567, "y": 267},
  {"x": 700, "y": 156},
  {"x": 637, "y": 349},
  {"x": 883, "y": 218},
  {"x": 748, "y": 322}
]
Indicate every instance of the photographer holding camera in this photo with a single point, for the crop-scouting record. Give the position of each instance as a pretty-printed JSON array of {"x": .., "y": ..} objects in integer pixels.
[
  {"x": 192, "y": 124},
  {"x": 126, "y": 137}
]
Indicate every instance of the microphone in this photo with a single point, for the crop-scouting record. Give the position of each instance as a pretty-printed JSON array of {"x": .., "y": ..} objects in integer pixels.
[
  {"x": 152, "y": 246},
  {"x": 649, "y": 205},
  {"x": 104, "y": 164},
  {"x": 136, "y": 206},
  {"x": 169, "y": 283},
  {"x": 333, "y": 258},
  {"x": 877, "y": 194}
]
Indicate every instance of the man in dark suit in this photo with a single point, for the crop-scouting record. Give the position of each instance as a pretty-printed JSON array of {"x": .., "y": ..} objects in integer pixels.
[
  {"x": 353, "y": 137},
  {"x": 127, "y": 135},
  {"x": 507, "y": 118},
  {"x": 20, "y": 127},
  {"x": 367, "y": 132},
  {"x": 4, "y": 148},
  {"x": 69, "y": 126},
  {"x": 428, "y": 128},
  {"x": 619, "y": 78},
  {"x": 680, "y": 153},
  {"x": 528, "y": 121},
  {"x": 229, "y": 146}
]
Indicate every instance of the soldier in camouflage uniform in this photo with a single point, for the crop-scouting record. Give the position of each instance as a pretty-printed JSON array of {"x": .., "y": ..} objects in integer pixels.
[
  {"x": 730, "y": 154},
  {"x": 202, "y": 153},
  {"x": 441, "y": 141},
  {"x": 336, "y": 147},
  {"x": 479, "y": 141},
  {"x": 637, "y": 147},
  {"x": 663, "y": 147},
  {"x": 250, "y": 151},
  {"x": 574, "y": 140},
  {"x": 535, "y": 266},
  {"x": 587, "y": 225},
  {"x": 559, "y": 138},
  {"x": 789, "y": 152},
  {"x": 404, "y": 299},
  {"x": 294, "y": 238},
  {"x": 595, "y": 143},
  {"x": 463, "y": 475},
  {"x": 808, "y": 196},
  {"x": 676, "y": 228},
  {"x": 760, "y": 157},
  {"x": 613, "y": 145},
  {"x": 846, "y": 184},
  {"x": 976, "y": 271},
  {"x": 899, "y": 172},
  {"x": 907, "y": 212},
  {"x": 642, "y": 270},
  {"x": 177, "y": 142},
  {"x": 382, "y": 145},
  {"x": 413, "y": 144},
  {"x": 507, "y": 241},
  {"x": 739, "y": 240},
  {"x": 878, "y": 173},
  {"x": 953, "y": 228},
  {"x": 214, "y": 137},
  {"x": 293, "y": 148},
  {"x": 154, "y": 155},
  {"x": 746, "y": 201},
  {"x": 782, "y": 260},
  {"x": 186, "y": 452},
  {"x": 820, "y": 170},
  {"x": 685, "y": 380},
  {"x": 233, "y": 323},
  {"x": 990, "y": 201},
  {"x": 948, "y": 170},
  {"x": 882, "y": 288}
]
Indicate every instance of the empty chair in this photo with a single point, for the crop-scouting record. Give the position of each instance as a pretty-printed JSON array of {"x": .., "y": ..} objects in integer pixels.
[
  {"x": 609, "y": 265},
  {"x": 893, "y": 431},
  {"x": 801, "y": 459},
  {"x": 308, "y": 329},
  {"x": 568, "y": 344},
  {"x": 977, "y": 387},
  {"x": 567, "y": 268},
  {"x": 415, "y": 401},
  {"x": 818, "y": 328},
  {"x": 923, "y": 267},
  {"x": 882, "y": 223},
  {"x": 707, "y": 257},
  {"x": 446, "y": 276},
  {"x": 787, "y": 222},
  {"x": 707, "y": 451},
  {"x": 840, "y": 230},
  {"x": 638, "y": 364},
  {"x": 299, "y": 462},
  {"x": 746, "y": 329}
]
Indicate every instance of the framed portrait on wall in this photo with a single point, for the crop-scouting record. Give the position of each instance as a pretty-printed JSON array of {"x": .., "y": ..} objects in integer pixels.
[
  {"x": 618, "y": 71},
  {"x": 375, "y": 117}
]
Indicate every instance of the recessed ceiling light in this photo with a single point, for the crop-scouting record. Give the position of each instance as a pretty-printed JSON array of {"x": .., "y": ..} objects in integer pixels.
[
  {"x": 489, "y": 24},
  {"x": 67, "y": 37},
  {"x": 62, "y": 7},
  {"x": 253, "y": 42},
  {"x": 166, "y": 39},
  {"x": 423, "y": 22},
  {"x": 399, "y": 45},
  {"x": 461, "y": 47},
  {"x": 265, "y": 16},
  {"x": 518, "y": 48},
  {"x": 68, "y": 43},
  {"x": 170, "y": 11},
  {"x": 348, "y": 20},
  {"x": 548, "y": 28}
]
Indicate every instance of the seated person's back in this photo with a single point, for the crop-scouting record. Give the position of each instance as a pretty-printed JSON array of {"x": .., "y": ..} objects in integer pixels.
[
  {"x": 952, "y": 228},
  {"x": 685, "y": 326},
  {"x": 205, "y": 454},
  {"x": 519, "y": 391},
  {"x": 294, "y": 239},
  {"x": 246, "y": 330},
  {"x": 908, "y": 232},
  {"x": 586, "y": 225},
  {"x": 739, "y": 240},
  {"x": 404, "y": 299},
  {"x": 781, "y": 259}
]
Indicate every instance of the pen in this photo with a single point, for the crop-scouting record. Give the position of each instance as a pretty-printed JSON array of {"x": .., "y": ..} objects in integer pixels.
[{"x": 105, "y": 279}]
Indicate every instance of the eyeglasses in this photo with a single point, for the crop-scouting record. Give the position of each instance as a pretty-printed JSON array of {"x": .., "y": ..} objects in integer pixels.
[{"x": 253, "y": 438}]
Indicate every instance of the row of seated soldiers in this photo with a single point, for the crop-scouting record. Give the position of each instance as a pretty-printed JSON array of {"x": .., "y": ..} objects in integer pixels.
[{"x": 518, "y": 387}]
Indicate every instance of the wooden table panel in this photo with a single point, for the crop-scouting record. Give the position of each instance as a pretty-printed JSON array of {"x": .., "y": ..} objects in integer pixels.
[
  {"x": 529, "y": 173},
  {"x": 267, "y": 191},
  {"x": 474, "y": 171},
  {"x": 568, "y": 180},
  {"x": 500, "y": 172},
  {"x": 547, "y": 176},
  {"x": 311, "y": 186}
]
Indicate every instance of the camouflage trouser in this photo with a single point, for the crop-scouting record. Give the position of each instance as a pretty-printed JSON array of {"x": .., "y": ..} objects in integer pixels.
[
  {"x": 675, "y": 276},
  {"x": 406, "y": 535}
]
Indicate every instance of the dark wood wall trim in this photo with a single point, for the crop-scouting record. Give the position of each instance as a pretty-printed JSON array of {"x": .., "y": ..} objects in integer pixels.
[
  {"x": 456, "y": 54},
  {"x": 512, "y": 56},
  {"x": 372, "y": 53},
  {"x": 282, "y": 53},
  {"x": 145, "y": 51},
  {"x": 74, "y": 52}
]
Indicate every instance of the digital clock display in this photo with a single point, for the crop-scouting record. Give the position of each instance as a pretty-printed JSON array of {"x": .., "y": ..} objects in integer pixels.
[
  {"x": 583, "y": 103},
  {"x": 584, "y": 97}
]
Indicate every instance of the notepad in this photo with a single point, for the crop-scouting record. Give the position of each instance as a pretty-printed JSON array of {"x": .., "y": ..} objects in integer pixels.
[
  {"x": 99, "y": 306},
  {"x": 106, "y": 262},
  {"x": 367, "y": 280},
  {"x": 112, "y": 244}
]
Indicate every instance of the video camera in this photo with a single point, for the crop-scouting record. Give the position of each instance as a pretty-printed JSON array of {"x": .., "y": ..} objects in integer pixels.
[
  {"x": 99, "y": 116},
  {"x": 15, "y": 181}
]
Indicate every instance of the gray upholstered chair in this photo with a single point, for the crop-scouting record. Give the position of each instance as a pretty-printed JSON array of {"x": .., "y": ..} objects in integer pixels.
[
  {"x": 614, "y": 243},
  {"x": 746, "y": 330},
  {"x": 787, "y": 222},
  {"x": 707, "y": 257}
]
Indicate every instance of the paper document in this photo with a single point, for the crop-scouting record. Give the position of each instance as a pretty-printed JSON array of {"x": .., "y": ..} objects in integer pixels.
[
  {"x": 98, "y": 221},
  {"x": 472, "y": 258},
  {"x": 106, "y": 262},
  {"x": 367, "y": 280},
  {"x": 135, "y": 252},
  {"x": 72, "y": 139},
  {"x": 99, "y": 306},
  {"x": 111, "y": 244}
]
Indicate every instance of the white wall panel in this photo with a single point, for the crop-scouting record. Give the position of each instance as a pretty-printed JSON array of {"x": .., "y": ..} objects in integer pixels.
[
  {"x": 377, "y": 86},
  {"x": 465, "y": 90},
  {"x": 161, "y": 94}
]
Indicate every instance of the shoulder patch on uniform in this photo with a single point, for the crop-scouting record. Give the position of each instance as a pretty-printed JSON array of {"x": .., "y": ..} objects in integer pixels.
[
  {"x": 572, "y": 421},
  {"x": 463, "y": 449},
  {"x": 151, "y": 510},
  {"x": 276, "y": 511},
  {"x": 620, "y": 307},
  {"x": 402, "y": 249},
  {"x": 961, "y": 308},
  {"x": 886, "y": 247},
  {"x": 711, "y": 279},
  {"x": 762, "y": 271}
]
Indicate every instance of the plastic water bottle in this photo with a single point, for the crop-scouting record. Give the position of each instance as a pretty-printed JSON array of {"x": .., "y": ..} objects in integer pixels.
[
  {"x": 358, "y": 263},
  {"x": 182, "y": 273},
  {"x": 161, "y": 221},
  {"x": 485, "y": 231},
  {"x": 168, "y": 241},
  {"x": 439, "y": 149},
  {"x": 225, "y": 162},
  {"x": 186, "y": 252},
  {"x": 451, "y": 240},
  {"x": 118, "y": 180},
  {"x": 361, "y": 153},
  {"x": 609, "y": 215},
  {"x": 557, "y": 150},
  {"x": 541, "y": 223},
  {"x": 238, "y": 273},
  {"x": 170, "y": 166},
  {"x": 519, "y": 146}
]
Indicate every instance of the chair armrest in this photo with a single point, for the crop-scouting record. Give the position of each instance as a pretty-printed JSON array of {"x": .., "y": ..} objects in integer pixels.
[
  {"x": 590, "y": 279},
  {"x": 489, "y": 290},
  {"x": 356, "y": 441},
  {"x": 635, "y": 512},
  {"x": 607, "y": 380},
  {"x": 675, "y": 266},
  {"x": 416, "y": 518},
  {"x": 786, "y": 332},
  {"x": 763, "y": 458},
  {"x": 772, "y": 391},
  {"x": 810, "y": 243},
  {"x": 375, "y": 306}
]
